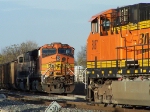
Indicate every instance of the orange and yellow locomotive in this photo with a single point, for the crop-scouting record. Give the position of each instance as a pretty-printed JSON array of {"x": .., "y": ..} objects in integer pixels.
[
  {"x": 118, "y": 56},
  {"x": 49, "y": 69}
]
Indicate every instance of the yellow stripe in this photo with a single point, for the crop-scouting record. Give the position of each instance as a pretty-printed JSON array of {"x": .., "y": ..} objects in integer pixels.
[
  {"x": 145, "y": 62},
  {"x": 131, "y": 26},
  {"x": 88, "y": 63},
  {"x": 102, "y": 64},
  {"x": 122, "y": 63},
  {"x": 108, "y": 64},
  {"x": 57, "y": 65},
  {"x": 44, "y": 65}
]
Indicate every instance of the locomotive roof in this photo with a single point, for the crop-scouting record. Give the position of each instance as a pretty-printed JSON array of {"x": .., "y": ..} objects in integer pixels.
[
  {"x": 97, "y": 15},
  {"x": 107, "y": 11}
]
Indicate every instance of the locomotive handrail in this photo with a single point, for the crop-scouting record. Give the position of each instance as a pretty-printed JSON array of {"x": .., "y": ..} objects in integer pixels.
[
  {"x": 84, "y": 71},
  {"x": 71, "y": 71},
  {"x": 50, "y": 66},
  {"x": 47, "y": 70},
  {"x": 43, "y": 76}
]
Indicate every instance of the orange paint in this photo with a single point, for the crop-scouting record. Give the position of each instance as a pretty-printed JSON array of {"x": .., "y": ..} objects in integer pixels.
[
  {"x": 50, "y": 63},
  {"x": 104, "y": 44}
]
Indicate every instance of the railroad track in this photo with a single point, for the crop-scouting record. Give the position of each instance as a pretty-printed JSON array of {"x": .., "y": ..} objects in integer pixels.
[{"x": 71, "y": 103}]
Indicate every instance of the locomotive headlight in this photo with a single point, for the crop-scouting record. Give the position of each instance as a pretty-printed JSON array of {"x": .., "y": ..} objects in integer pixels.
[
  {"x": 57, "y": 58},
  {"x": 88, "y": 72},
  {"x": 63, "y": 59}
]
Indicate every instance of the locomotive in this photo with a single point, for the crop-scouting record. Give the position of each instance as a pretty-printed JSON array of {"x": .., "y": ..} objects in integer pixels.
[
  {"x": 118, "y": 56},
  {"x": 47, "y": 69}
]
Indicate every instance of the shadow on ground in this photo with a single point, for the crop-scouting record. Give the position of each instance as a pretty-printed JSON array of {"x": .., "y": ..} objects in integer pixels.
[{"x": 79, "y": 89}]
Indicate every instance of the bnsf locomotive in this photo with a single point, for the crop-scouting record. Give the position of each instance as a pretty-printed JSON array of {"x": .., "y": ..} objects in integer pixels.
[
  {"x": 118, "y": 56},
  {"x": 49, "y": 69}
]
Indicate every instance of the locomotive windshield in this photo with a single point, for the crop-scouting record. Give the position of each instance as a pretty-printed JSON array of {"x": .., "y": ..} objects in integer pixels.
[
  {"x": 65, "y": 51},
  {"x": 48, "y": 51}
]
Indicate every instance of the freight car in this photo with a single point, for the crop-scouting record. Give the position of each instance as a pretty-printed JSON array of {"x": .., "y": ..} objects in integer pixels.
[
  {"x": 8, "y": 75},
  {"x": 118, "y": 56},
  {"x": 49, "y": 69}
]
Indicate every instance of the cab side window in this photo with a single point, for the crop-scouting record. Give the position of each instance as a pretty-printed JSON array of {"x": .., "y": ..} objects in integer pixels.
[
  {"x": 94, "y": 26},
  {"x": 20, "y": 59}
]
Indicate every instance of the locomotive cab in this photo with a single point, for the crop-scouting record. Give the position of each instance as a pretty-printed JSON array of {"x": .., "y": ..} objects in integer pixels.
[{"x": 118, "y": 56}]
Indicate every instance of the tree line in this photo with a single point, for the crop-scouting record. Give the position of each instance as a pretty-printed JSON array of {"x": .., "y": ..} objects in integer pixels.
[
  {"x": 81, "y": 57},
  {"x": 11, "y": 52}
]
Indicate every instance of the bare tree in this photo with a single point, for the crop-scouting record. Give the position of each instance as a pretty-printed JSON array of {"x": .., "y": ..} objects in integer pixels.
[
  {"x": 81, "y": 57},
  {"x": 1, "y": 58},
  {"x": 10, "y": 53},
  {"x": 27, "y": 46}
]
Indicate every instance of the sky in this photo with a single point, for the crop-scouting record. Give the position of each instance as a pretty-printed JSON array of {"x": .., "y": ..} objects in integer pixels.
[{"x": 47, "y": 21}]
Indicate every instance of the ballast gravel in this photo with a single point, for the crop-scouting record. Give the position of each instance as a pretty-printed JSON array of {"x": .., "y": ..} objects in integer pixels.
[{"x": 17, "y": 106}]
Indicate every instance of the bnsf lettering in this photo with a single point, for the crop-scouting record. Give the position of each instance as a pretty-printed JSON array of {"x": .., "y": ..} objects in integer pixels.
[
  {"x": 94, "y": 44},
  {"x": 144, "y": 38}
]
